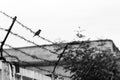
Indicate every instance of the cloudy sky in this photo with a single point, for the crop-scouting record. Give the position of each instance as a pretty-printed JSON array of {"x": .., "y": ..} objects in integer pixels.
[{"x": 60, "y": 19}]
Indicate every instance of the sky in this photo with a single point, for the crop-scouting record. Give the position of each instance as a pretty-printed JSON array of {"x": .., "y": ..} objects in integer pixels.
[{"x": 60, "y": 20}]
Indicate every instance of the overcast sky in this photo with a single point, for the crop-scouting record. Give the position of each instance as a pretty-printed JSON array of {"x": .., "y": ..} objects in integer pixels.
[{"x": 60, "y": 19}]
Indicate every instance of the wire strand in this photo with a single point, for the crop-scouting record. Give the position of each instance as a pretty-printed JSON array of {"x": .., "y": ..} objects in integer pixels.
[
  {"x": 33, "y": 56},
  {"x": 27, "y": 39},
  {"x": 34, "y": 66},
  {"x": 21, "y": 37},
  {"x": 11, "y": 56},
  {"x": 26, "y": 27}
]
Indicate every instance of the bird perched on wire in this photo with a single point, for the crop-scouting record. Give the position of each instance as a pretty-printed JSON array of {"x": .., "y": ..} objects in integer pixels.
[{"x": 37, "y": 33}]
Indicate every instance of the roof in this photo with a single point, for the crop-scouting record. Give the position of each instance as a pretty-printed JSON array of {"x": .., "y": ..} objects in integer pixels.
[
  {"x": 73, "y": 42},
  {"x": 46, "y": 52}
]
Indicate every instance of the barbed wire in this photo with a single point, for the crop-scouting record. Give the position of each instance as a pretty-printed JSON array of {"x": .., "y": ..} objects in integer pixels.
[
  {"x": 33, "y": 65},
  {"x": 33, "y": 56},
  {"x": 21, "y": 37},
  {"x": 55, "y": 43},
  {"x": 27, "y": 39},
  {"x": 11, "y": 56},
  {"x": 26, "y": 27},
  {"x": 28, "y": 62}
]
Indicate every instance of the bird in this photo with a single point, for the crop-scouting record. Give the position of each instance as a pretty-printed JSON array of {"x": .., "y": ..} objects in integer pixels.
[{"x": 37, "y": 33}]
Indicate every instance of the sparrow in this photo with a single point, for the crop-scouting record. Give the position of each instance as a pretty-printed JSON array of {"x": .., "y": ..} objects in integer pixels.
[{"x": 37, "y": 33}]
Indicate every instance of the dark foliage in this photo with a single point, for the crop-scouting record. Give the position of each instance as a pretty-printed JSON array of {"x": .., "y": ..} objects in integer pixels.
[{"x": 90, "y": 64}]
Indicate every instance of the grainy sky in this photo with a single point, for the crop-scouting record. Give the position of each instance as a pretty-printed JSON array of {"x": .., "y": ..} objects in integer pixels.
[{"x": 60, "y": 19}]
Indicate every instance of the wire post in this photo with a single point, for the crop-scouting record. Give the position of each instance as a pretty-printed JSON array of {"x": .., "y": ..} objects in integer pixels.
[
  {"x": 2, "y": 43},
  {"x": 61, "y": 55}
]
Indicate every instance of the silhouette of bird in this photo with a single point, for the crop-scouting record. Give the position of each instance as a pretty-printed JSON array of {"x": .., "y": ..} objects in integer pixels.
[{"x": 37, "y": 33}]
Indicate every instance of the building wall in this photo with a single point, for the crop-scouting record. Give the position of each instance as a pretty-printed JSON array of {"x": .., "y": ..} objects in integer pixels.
[
  {"x": 25, "y": 54},
  {"x": 7, "y": 72}
]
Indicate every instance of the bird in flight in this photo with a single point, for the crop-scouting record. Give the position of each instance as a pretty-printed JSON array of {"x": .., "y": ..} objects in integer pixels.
[{"x": 37, "y": 33}]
